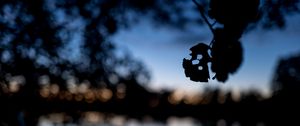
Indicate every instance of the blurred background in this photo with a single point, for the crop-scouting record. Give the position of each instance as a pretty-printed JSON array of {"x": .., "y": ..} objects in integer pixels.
[{"x": 119, "y": 63}]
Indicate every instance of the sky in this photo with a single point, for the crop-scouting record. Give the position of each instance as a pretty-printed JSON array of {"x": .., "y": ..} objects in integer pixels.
[{"x": 162, "y": 50}]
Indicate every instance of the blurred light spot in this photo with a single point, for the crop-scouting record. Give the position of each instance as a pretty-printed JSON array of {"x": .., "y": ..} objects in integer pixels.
[
  {"x": 199, "y": 57},
  {"x": 105, "y": 95},
  {"x": 72, "y": 88},
  {"x": 266, "y": 94},
  {"x": 89, "y": 96},
  {"x": 13, "y": 87},
  {"x": 6, "y": 56},
  {"x": 236, "y": 95},
  {"x": 260, "y": 124},
  {"x": 93, "y": 117},
  {"x": 117, "y": 121},
  {"x": 200, "y": 68},
  {"x": 15, "y": 82},
  {"x": 78, "y": 97},
  {"x": 82, "y": 88},
  {"x": 120, "y": 95},
  {"x": 44, "y": 80},
  {"x": 221, "y": 98},
  {"x": 172, "y": 100},
  {"x": 71, "y": 84},
  {"x": 175, "y": 121},
  {"x": 192, "y": 99},
  {"x": 121, "y": 91},
  {"x": 134, "y": 122},
  {"x": 113, "y": 79},
  {"x": 189, "y": 57},
  {"x": 176, "y": 97},
  {"x": 45, "y": 91},
  {"x": 57, "y": 117},
  {"x": 236, "y": 124},
  {"x": 195, "y": 62},
  {"x": 221, "y": 122},
  {"x": 43, "y": 121},
  {"x": 54, "y": 89}
]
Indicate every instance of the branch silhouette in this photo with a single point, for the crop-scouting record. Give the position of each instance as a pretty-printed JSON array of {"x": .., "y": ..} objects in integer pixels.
[
  {"x": 202, "y": 12},
  {"x": 226, "y": 51}
]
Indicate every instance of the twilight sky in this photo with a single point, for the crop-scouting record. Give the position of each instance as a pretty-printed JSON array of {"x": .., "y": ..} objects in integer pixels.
[{"x": 162, "y": 50}]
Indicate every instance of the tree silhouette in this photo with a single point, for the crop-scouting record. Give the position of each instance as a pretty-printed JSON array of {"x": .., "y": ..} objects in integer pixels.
[
  {"x": 57, "y": 42},
  {"x": 234, "y": 18},
  {"x": 285, "y": 86},
  {"x": 286, "y": 77},
  {"x": 63, "y": 40}
]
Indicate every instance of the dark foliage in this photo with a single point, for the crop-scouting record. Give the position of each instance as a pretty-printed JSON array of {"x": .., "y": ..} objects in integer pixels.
[
  {"x": 234, "y": 17},
  {"x": 57, "y": 42},
  {"x": 287, "y": 75},
  {"x": 197, "y": 71},
  {"x": 226, "y": 50},
  {"x": 227, "y": 54},
  {"x": 233, "y": 11},
  {"x": 274, "y": 12}
]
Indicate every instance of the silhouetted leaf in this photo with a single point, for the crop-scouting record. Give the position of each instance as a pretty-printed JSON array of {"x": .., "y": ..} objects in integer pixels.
[
  {"x": 226, "y": 58},
  {"x": 196, "y": 68}
]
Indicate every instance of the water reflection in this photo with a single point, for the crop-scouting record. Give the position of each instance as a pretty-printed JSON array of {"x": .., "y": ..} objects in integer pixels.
[{"x": 92, "y": 118}]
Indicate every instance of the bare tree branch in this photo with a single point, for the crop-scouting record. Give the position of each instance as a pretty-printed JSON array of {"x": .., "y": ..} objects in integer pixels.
[{"x": 201, "y": 10}]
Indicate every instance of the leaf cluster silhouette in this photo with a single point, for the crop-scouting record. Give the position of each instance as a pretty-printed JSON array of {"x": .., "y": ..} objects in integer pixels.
[
  {"x": 226, "y": 50},
  {"x": 233, "y": 18}
]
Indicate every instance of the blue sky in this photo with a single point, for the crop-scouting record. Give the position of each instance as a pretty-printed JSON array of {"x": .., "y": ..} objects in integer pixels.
[{"x": 162, "y": 50}]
